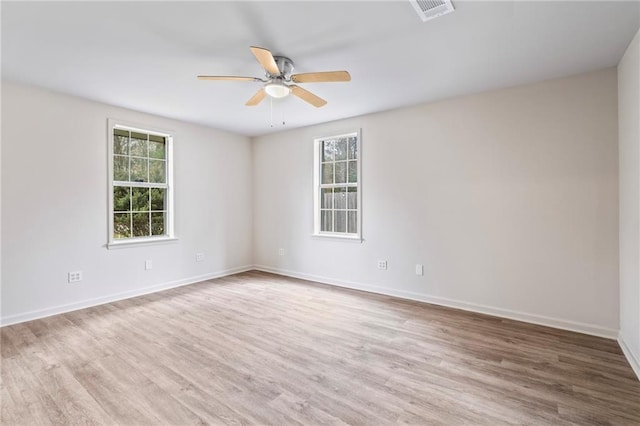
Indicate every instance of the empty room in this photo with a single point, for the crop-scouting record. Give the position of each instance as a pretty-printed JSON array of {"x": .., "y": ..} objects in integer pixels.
[{"x": 320, "y": 212}]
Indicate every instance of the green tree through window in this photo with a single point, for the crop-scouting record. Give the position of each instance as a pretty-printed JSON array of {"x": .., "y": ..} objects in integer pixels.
[{"x": 140, "y": 187}]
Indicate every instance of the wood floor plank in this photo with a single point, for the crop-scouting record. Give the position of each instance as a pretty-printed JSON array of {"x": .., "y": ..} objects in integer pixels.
[{"x": 257, "y": 348}]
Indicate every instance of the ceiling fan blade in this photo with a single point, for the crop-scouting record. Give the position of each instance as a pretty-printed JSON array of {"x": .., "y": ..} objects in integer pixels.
[
  {"x": 257, "y": 98},
  {"x": 265, "y": 58},
  {"x": 321, "y": 77},
  {"x": 227, "y": 77},
  {"x": 307, "y": 96}
]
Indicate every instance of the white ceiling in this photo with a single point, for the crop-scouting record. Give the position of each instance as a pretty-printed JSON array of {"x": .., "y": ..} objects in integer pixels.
[{"x": 145, "y": 55}]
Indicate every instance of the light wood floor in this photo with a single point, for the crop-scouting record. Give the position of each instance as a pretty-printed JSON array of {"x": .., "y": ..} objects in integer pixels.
[{"x": 256, "y": 348}]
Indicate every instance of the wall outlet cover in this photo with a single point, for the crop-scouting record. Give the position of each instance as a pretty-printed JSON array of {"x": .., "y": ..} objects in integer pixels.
[{"x": 74, "y": 277}]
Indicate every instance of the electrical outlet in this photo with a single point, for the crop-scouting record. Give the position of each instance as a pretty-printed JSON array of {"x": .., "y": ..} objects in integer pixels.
[
  {"x": 382, "y": 264},
  {"x": 148, "y": 265},
  {"x": 281, "y": 252},
  {"x": 199, "y": 257},
  {"x": 419, "y": 269},
  {"x": 75, "y": 276}
]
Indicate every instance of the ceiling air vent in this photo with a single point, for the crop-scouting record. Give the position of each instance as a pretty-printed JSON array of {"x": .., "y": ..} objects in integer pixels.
[{"x": 430, "y": 9}]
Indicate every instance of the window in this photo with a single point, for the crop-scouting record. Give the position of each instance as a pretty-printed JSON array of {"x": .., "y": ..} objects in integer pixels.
[
  {"x": 140, "y": 185},
  {"x": 337, "y": 186}
]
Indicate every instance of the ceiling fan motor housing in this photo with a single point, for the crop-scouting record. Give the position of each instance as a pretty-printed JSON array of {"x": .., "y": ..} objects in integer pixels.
[{"x": 285, "y": 65}]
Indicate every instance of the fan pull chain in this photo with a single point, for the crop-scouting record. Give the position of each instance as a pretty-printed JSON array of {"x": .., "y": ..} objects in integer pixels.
[{"x": 271, "y": 112}]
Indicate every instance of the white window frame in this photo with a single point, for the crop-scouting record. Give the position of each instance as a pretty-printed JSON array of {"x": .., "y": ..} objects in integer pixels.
[
  {"x": 317, "y": 162},
  {"x": 169, "y": 220}
]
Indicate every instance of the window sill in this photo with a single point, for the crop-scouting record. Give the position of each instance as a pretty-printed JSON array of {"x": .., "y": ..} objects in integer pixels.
[
  {"x": 141, "y": 242},
  {"x": 338, "y": 237}
]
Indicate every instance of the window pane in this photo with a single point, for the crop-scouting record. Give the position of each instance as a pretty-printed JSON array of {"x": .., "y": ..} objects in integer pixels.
[
  {"x": 338, "y": 204},
  {"x": 120, "y": 168},
  {"x": 121, "y": 198},
  {"x": 340, "y": 198},
  {"x": 353, "y": 148},
  {"x": 157, "y": 171},
  {"x": 140, "y": 199},
  {"x": 326, "y": 219},
  {"x": 326, "y": 198},
  {"x": 353, "y": 171},
  {"x": 139, "y": 170},
  {"x": 138, "y": 145},
  {"x": 156, "y": 147},
  {"x": 341, "y": 149},
  {"x": 141, "y": 224},
  {"x": 340, "y": 224},
  {"x": 122, "y": 225},
  {"x": 158, "y": 198},
  {"x": 140, "y": 158},
  {"x": 352, "y": 198},
  {"x": 327, "y": 173},
  {"x": 341, "y": 172},
  {"x": 157, "y": 223},
  {"x": 352, "y": 223},
  {"x": 121, "y": 145},
  {"x": 328, "y": 149}
]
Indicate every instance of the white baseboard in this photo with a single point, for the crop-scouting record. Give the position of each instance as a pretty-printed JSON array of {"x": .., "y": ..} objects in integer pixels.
[
  {"x": 60, "y": 309},
  {"x": 467, "y": 306},
  {"x": 579, "y": 327},
  {"x": 591, "y": 329},
  {"x": 634, "y": 360}
]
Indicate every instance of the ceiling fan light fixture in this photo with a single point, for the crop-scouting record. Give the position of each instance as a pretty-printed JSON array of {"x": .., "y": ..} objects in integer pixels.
[
  {"x": 279, "y": 82},
  {"x": 277, "y": 89}
]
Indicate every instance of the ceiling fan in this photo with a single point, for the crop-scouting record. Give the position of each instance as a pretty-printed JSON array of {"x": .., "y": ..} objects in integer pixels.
[{"x": 278, "y": 81}]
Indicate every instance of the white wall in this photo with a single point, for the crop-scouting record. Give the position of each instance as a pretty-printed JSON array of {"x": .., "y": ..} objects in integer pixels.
[
  {"x": 629, "y": 134},
  {"x": 54, "y": 205},
  {"x": 509, "y": 198}
]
